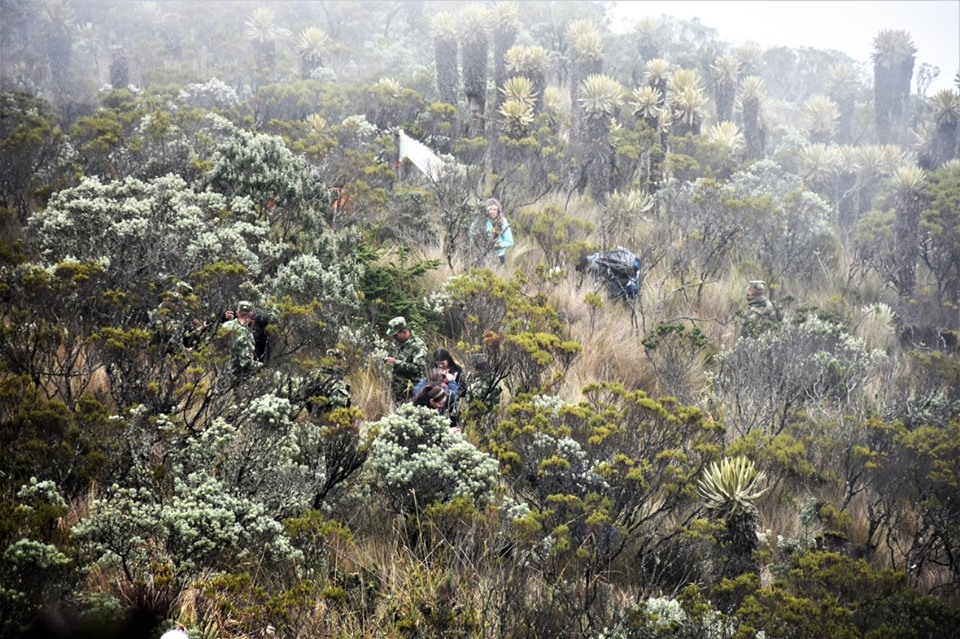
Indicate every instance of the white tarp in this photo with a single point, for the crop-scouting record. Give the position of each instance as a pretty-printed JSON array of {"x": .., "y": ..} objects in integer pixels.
[{"x": 421, "y": 156}]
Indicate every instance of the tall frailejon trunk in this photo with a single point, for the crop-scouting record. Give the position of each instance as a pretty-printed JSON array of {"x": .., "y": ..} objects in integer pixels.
[
  {"x": 503, "y": 38},
  {"x": 725, "y": 95},
  {"x": 845, "y": 111},
  {"x": 582, "y": 69},
  {"x": 596, "y": 137},
  {"x": 907, "y": 252},
  {"x": 892, "y": 73},
  {"x": 847, "y": 213},
  {"x": 475, "y": 51},
  {"x": 907, "y": 249},
  {"x": 448, "y": 75},
  {"x": 119, "y": 69},
  {"x": 539, "y": 80},
  {"x": 945, "y": 142},
  {"x": 753, "y": 130},
  {"x": 60, "y": 55}
]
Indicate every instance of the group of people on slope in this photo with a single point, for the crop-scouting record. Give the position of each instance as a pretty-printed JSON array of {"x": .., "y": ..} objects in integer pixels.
[{"x": 439, "y": 388}]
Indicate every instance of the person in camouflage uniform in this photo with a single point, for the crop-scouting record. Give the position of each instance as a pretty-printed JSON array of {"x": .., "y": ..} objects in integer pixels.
[
  {"x": 408, "y": 361},
  {"x": 241, "y": 342},
  {"x": 761, "y": 315},
  {"x": 171, "y": 323}
]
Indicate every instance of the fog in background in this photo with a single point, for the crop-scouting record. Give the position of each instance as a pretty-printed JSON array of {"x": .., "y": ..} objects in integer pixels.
[{"x": 843, "y": 25}]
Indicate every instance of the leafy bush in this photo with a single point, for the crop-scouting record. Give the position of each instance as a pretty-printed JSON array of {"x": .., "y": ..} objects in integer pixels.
[
  {"x": 418, "y": 460},
  {"x": 767, "y": 379},
  {"x": 195, "y": 526}
]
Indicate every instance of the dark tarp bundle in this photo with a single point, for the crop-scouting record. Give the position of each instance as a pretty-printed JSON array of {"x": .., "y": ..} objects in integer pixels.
[{"x": 619, "y": 269}]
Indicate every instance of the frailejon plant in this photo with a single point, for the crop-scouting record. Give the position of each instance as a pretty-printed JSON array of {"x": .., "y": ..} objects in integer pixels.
[{"x": 729, "y": 489}]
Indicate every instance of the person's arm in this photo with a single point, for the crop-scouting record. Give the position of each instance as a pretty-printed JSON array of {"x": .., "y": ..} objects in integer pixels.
[
  {"x": 505, "y": 240},
  {"x": 419, "y": 387},
  {"x": 452, "y": 388}
]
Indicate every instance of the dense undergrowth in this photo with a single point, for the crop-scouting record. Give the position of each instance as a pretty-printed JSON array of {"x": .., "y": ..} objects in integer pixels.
[{"x": 623, "y": 469}]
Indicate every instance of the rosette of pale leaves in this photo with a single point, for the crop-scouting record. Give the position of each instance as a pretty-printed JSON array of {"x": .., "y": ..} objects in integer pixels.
[
  {"x": 524, "y": 59},
  {"x": 586, "y": 43},
  {"x": 820, "y": 115},
  {"x": 646, "y": 102},
  {"x": 261, "y": 25},
  {"x": 892, "y": 46},
  {"x": 517, "y": 117},
  {"x": 656, "y": 72},
  {"x": 945, "y": 106},
  {"x": 600, "y": 96},
  {"x": 519, "y": 88},
  {"x": 729, "y": 487},
  {"x": 727, "y": 136},
  {"x": 313, "y": 45}
]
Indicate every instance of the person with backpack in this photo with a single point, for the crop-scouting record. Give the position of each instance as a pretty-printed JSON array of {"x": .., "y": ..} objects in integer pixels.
[{"x": 447, "y": 374}]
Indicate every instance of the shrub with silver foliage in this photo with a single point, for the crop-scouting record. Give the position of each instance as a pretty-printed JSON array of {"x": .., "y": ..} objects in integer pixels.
[
  {"x": 766, "y": 379},
  {"x": 198, "y": 526},
  {"x": 417, "y": 460}
]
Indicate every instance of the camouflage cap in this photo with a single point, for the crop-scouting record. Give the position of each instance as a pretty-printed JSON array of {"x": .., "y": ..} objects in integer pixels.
[
  {"x": 183, "y": 288},
  {"x": 757, "y": 285},
  {"x": 396, "y": 325},
  {"x": 245, "y": 307}
]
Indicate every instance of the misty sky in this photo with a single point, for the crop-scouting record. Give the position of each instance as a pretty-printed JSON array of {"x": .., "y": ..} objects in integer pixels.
[{"x": 839, "y": 24}]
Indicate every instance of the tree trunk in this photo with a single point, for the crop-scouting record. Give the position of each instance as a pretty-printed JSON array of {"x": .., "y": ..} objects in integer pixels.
[
  {"x": 753, "y": 132},
  {"x": 448, "y": 75},
  {"x": 503, "y": 39},
  {"x": 907, "y": 249},
  {"x": 475, "y": 82}
]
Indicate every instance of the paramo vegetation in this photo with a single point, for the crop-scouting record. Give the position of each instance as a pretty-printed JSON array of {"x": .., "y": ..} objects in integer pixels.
[{"x": 623, "y": 468}]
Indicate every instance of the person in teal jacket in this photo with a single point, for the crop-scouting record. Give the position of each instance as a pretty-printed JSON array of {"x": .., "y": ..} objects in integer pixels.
[{"x": 498, "y": 229}]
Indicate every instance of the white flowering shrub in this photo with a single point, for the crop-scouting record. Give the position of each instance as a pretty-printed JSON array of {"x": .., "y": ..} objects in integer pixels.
[
  {"x": 417, "y": 460},
  {"x": 362, "y": 130},
  {"x": 35, "y": 569},
  {"x": 609, "y": 473},
  {"x": 212, "y": 94},
  {"x": 262, "y": 454},
  {"x": 26, "y": 555},
  {"x": 224, "y": 489},
  {"x": 278, "y": 183},
  {"x": 38, "y": 492},
  {"x": 768, "y": 378},
  {"x": 664, "y": 617},
  {"x": 437, "y": 302},
  {"x": 139, "y": 229},
  {"x": 333, "y": 283},
  {"x": 193, "y": 526},
  {"x": 762, "y": 213}
]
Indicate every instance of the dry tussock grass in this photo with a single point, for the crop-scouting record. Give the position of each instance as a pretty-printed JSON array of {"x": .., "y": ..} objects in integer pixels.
[{"x": 370, "y": 392}]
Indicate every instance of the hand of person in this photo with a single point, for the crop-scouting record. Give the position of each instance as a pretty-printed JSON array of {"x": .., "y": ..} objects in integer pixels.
[{"x": 390, "y": 361}]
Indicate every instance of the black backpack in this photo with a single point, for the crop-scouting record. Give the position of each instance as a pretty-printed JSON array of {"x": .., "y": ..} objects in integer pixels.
[{"x": 620, "y": 269}]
